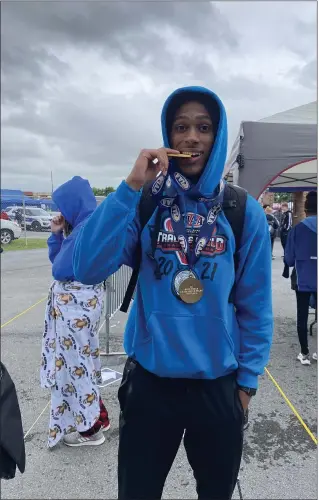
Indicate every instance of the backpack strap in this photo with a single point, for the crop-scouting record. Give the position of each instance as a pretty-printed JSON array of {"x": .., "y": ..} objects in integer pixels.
[
  {"x": 146, "y": 208},
  {"x": 234, "y": 208}
]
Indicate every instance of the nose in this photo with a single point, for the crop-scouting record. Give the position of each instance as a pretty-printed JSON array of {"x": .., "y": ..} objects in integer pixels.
[{"x": 192, "y": 136}]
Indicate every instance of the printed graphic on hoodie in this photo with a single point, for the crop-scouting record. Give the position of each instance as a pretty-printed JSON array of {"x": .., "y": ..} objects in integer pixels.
[{"x": 168, "y": 242}]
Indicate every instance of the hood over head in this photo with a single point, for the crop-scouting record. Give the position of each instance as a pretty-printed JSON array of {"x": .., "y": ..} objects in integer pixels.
[
  {"x": 212, "y": 173},
  {"x": 75, "y": 200},
  {"x": 311, "y": 223}
]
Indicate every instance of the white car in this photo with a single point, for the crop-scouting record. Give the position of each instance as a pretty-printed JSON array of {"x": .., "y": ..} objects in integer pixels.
[
  {"x": 36, "y": 218},
  {"x": 9, "y": 231}
]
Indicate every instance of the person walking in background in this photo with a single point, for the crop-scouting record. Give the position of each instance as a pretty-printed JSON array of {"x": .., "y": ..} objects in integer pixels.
[
  {"x": 273, "y": 226},
  {"x": 285, "y": 224},
  {"x": 71, "y": 365},
  {"x": 200, "y": 329},
  {"x": 285, "y": 227},
  {"x": 18, "y": 217},
  {"x": 301, "y": 254}
]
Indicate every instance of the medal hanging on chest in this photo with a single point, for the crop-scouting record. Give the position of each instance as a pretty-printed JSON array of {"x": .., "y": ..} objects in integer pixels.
[
  {"x": 191, "y": 290},
  {"x": 186, "y": 285}
]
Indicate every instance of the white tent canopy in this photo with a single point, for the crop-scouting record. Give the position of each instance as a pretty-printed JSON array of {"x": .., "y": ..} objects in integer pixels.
[{"x": 278, "y": 152}]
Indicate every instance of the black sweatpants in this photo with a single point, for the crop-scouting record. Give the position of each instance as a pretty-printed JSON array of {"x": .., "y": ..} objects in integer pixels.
[
  {"x": 283, "y": 239},
  {"x": 303, "y": 299},
  {"x": 156, "y": 411}
]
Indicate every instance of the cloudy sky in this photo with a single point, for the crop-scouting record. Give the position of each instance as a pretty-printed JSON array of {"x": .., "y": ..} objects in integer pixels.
[{"x": 83, "y": 83}]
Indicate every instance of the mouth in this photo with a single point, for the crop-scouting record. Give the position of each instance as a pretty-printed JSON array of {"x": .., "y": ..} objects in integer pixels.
[
  {"x": 193, "y": 154},
  {"x": 193, "y": 158}
]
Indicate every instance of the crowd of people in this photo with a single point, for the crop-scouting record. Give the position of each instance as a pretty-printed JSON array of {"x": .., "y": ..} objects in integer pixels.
[{"x": 200, "y": 329}]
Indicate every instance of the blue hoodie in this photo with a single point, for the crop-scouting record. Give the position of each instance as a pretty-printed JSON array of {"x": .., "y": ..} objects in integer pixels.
[
  {"x": 76, "y": 201},
  {"x": 301, "y": 253},
  {"x": 169, "y": 338}
]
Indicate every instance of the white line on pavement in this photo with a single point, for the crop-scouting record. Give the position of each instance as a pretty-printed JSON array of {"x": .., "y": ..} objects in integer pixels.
[{"x": 28, "y": 432}]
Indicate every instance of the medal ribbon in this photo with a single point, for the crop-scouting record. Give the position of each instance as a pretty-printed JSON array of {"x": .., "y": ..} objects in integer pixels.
[
  {"x": 214, "y": 207},
  {"x": 192, "y": 253}
]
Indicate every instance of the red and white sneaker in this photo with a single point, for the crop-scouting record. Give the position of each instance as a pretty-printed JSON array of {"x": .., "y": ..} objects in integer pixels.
[{"x": 106, "y": 426}]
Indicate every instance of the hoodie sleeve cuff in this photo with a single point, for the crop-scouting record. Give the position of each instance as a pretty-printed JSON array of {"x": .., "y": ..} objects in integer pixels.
[
  {"x": 247, "y": 379},
  {"x": 56, "y": 237}
]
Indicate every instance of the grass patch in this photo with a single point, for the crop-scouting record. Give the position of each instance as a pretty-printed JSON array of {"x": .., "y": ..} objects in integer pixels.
[{"x": 19, "y": 244}]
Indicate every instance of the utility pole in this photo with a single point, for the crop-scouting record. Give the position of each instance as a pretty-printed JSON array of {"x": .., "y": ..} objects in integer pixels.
[{"x": 51, "y": 182}]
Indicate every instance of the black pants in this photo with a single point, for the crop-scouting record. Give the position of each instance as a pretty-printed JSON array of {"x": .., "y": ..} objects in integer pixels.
[
  {"x": 156, "y": 411},
  {"x": 272, "y": 244},
  {"x": 283, "y": 239},
  {"x": 303, "y": 299}
]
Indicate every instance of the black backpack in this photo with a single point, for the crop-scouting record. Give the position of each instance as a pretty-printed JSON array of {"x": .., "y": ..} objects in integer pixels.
[{"x": 234, "y": 208}]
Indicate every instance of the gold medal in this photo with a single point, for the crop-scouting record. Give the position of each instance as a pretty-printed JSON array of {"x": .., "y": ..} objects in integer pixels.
[{"x": 191, "y": 290}]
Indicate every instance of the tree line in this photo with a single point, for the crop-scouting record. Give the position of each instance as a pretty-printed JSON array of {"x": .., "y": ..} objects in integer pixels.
[{"x": 103, "y": 191}]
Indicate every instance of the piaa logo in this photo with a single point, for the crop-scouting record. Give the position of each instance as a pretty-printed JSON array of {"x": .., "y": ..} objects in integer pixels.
[
  {"x": 200, "y": 246},
  {"x": 167, "y": 202},
  {"x": 175, "y": 212},
  {"x": 182, "y": 181},
  {"x": 158, "y": 184},
  {"x": 212, "y": 215},
  {"x": 183, "y": 243}
]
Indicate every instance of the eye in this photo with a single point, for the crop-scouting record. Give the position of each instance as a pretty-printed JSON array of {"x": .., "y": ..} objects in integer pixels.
[
  {"x": 180, "y": 128},
  {"x": 205, "y": 127}
]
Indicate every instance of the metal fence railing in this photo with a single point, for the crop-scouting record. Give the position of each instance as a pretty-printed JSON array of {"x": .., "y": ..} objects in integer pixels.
[{"x": 116, "y": 286}]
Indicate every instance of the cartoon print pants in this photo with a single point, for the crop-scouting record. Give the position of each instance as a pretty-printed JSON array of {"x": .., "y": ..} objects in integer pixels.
[{"x": 71, "y": 365}]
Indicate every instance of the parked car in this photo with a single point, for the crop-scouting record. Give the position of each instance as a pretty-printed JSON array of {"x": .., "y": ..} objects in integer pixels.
[
  {"x": 9, "y": 231},
  {"x": 36, "y": 219}
]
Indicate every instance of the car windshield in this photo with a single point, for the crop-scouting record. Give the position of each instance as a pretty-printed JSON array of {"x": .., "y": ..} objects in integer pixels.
[{"x": 39, "y": 212}]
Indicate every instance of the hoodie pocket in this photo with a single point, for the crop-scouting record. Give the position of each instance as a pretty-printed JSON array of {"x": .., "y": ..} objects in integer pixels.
[{"x": 189, "y": 346}]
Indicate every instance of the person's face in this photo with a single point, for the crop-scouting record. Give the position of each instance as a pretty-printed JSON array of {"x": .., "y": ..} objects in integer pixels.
[
  {"x": 192, "y": 131},
  {"x": 284, "y": 208}
]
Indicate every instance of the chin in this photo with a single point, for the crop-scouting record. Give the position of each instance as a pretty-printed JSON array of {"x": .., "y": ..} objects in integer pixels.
[{"x": 192, "y": 170}]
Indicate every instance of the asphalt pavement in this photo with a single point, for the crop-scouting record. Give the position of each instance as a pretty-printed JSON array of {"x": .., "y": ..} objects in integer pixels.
[{"x": 280, "y": 458}]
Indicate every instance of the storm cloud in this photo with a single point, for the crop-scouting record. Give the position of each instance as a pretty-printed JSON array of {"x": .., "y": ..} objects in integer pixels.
[{"x": 83, "y": 83}]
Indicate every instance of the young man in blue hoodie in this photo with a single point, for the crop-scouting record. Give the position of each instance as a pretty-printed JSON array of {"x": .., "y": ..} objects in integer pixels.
[
  {"x": 301, "y": 253},
  {"x": 193, "y": 355}
]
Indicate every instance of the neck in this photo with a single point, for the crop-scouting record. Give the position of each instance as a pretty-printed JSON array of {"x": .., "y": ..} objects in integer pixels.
[{"x": 194, "y": 179}]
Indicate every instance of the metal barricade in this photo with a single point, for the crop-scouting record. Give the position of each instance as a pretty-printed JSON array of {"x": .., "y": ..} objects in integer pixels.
[{"x": 116, "y": 286}]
